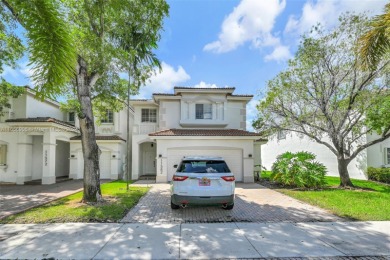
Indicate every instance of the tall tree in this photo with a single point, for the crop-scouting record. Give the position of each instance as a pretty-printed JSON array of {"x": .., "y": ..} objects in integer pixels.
[
  {"x": 375, "y": 43},
  {"x": 98, "y": 59},
  {"x": 325, "y": 94}
]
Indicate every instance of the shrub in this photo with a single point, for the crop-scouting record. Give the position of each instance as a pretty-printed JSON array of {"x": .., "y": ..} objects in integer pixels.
[
  {"x": 379, "y": 174},
  {"x": 299, "y": 170}
]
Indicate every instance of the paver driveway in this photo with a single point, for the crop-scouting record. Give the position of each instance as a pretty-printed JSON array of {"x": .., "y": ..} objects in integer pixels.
[{"x": 253, "y": 203}]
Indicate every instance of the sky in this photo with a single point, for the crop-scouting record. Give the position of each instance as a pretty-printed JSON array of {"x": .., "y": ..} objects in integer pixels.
[{"x": 231, "y": 43}]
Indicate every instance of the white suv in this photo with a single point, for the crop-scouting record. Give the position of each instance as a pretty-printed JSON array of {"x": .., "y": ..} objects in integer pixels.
[{"x": 201, "y": 180}]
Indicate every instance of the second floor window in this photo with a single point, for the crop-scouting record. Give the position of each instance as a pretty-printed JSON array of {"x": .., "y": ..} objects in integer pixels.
[
  {"x": 203, "y": 111},
  {"x": 108, "y": 118},
  {"x": 71, "y": 117},
  {"x": 149, "y": 115}
]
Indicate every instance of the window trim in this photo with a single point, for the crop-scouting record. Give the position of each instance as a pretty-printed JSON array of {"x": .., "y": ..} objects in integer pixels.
[
  {"x": 387, "y": 155},
  {"x": 204, "y": 111},
  {"x": 106, "y": 119},
  {"x": 74, "y": 117},
  {"x": 149, "y": 115}
]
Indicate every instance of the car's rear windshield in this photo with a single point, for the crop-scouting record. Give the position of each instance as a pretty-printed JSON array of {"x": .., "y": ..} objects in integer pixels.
[{"x": 203, "y": 166}]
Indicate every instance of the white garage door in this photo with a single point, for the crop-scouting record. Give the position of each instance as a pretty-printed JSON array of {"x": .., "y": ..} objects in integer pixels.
[
  {"x": 233, "y": 158},
  {"x": 105, "y": 165}
]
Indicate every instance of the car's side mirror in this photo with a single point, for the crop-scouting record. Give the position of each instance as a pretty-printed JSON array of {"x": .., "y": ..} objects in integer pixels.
[{"x": 175, "y": 166}]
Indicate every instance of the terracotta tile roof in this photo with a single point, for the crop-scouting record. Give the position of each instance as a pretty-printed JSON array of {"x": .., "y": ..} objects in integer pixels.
[
  {"x": 102, "y": 137},
  {"x": 204, "y": 132},
  {"x": 41, "y": 120}
]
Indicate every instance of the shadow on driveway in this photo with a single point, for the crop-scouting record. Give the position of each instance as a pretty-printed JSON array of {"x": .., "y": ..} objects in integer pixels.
[{"x": 253, "y": 203}]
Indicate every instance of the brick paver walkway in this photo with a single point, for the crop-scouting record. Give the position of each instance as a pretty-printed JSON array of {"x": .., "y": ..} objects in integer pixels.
[{"x": 253, "y": 203}]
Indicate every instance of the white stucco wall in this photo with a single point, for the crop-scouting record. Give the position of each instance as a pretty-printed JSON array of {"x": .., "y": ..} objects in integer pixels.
[
  {"x": 37, "y": 108},
  {"x": 188, "y": 143},
  {"x": 169, "y": 114},
  {"x": 294, "y": 143},
  {"x": 37, "y": 161},
  {"x": 114, "y": 148},
  {"x": 236, "y": 115},
  {"x": 376, "y": 153},
  {"x": 31, "y": 152},
  {"x": 9, "y": 172}
]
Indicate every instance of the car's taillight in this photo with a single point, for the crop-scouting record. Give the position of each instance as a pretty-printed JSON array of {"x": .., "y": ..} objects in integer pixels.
[
  {"x": 179, "y": 178},
  {"x": 228, "y": 178}
]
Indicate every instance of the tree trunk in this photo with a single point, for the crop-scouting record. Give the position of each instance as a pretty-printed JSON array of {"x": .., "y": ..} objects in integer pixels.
[
  {"x": 128, "y": 143},
  {"x": 91, "y": 151},
  {"x": 345, "y": 181}
]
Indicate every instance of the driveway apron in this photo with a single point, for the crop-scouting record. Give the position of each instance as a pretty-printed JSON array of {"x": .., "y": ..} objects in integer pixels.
[{"x": 253, "y": 203}]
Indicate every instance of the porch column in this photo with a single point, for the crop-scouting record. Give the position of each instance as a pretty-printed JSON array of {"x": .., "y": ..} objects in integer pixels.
[
  {"x": 24, "y": 158},
  {"x": 248, "y": 163},
  {"x": 49, "y": 158},
  {"x": 161, "y": 170},
  {"x": 135, "y": 160}
]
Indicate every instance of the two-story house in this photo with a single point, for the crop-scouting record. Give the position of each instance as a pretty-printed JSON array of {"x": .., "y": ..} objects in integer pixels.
[
  {"x": 193, "y": 122},
  {"x": 34, "y": 140},
  {"x": 39, "y": 142}
]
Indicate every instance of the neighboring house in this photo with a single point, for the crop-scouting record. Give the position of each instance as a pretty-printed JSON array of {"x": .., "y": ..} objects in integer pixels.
[
  {"x": 34, "y": 142},
  {"x": 377, "y": 155},
  {"x": 40, "y": 142},
  {"x": 190, "y": 122}
]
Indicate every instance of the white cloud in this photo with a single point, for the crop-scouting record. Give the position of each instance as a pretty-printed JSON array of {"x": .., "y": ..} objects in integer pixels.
[
  {"x": 164, "y": 81},
  {"x": 251, "y": 21},
  {"x": 9, "y": 71},
  {"x": 27, "y": 71},
  {"x": 21, "y": 75},
  {"x": 280, "y": 53},
  {"x": 203, "y": 84},
  {"x": 327, "y": 12}
]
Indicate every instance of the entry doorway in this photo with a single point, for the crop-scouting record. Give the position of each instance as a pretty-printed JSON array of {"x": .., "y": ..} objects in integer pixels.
[{"x": 148, "y": 159}]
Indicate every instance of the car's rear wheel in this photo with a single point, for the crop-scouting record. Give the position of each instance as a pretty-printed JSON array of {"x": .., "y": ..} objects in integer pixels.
[
  {"x": 228, "y": 207},
  {"x": 174, "y": 206}
]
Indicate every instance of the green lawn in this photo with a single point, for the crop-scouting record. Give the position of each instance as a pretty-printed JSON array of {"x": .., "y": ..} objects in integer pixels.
[
  {"x": 371, "y": 202},
  {"x": 69, "y": 209}
]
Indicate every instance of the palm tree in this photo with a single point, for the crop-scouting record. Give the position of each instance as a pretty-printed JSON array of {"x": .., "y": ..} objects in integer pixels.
[{"x": 376, "y": 42}]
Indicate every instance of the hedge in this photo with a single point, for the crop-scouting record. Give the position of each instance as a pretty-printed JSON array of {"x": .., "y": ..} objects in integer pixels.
[{"x": 379, "y": 174}]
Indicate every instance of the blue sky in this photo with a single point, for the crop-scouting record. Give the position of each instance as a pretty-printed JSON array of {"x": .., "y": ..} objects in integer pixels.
[{"x": 242, "y": 44}]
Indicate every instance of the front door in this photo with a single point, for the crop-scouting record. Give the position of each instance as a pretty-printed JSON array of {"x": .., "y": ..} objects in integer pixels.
[{"x": 149, "y": 162}]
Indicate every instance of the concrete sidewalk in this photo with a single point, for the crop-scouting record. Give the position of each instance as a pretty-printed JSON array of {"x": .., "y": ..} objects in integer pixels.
[{"x": 194, "y": 241}]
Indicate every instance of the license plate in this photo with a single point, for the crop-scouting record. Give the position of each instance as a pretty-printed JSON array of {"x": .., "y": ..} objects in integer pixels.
[{"x": 204, "y": 182}]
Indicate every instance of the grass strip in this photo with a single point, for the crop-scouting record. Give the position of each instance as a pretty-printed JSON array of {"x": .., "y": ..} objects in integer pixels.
[
  {"x": 117, "y": 202},
  {"x": 369, "y": 201}
]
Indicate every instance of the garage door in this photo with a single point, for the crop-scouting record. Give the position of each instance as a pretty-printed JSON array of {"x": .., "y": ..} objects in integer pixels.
[
  {"x": 233, "y": 158},
  {"x": 105, "y": 165}
]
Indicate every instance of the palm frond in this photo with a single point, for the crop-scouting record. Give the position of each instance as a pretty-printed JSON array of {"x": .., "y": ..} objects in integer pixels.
[
  {"x": 50, "y": 44},
  {"x": 376, "y": 42}
]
